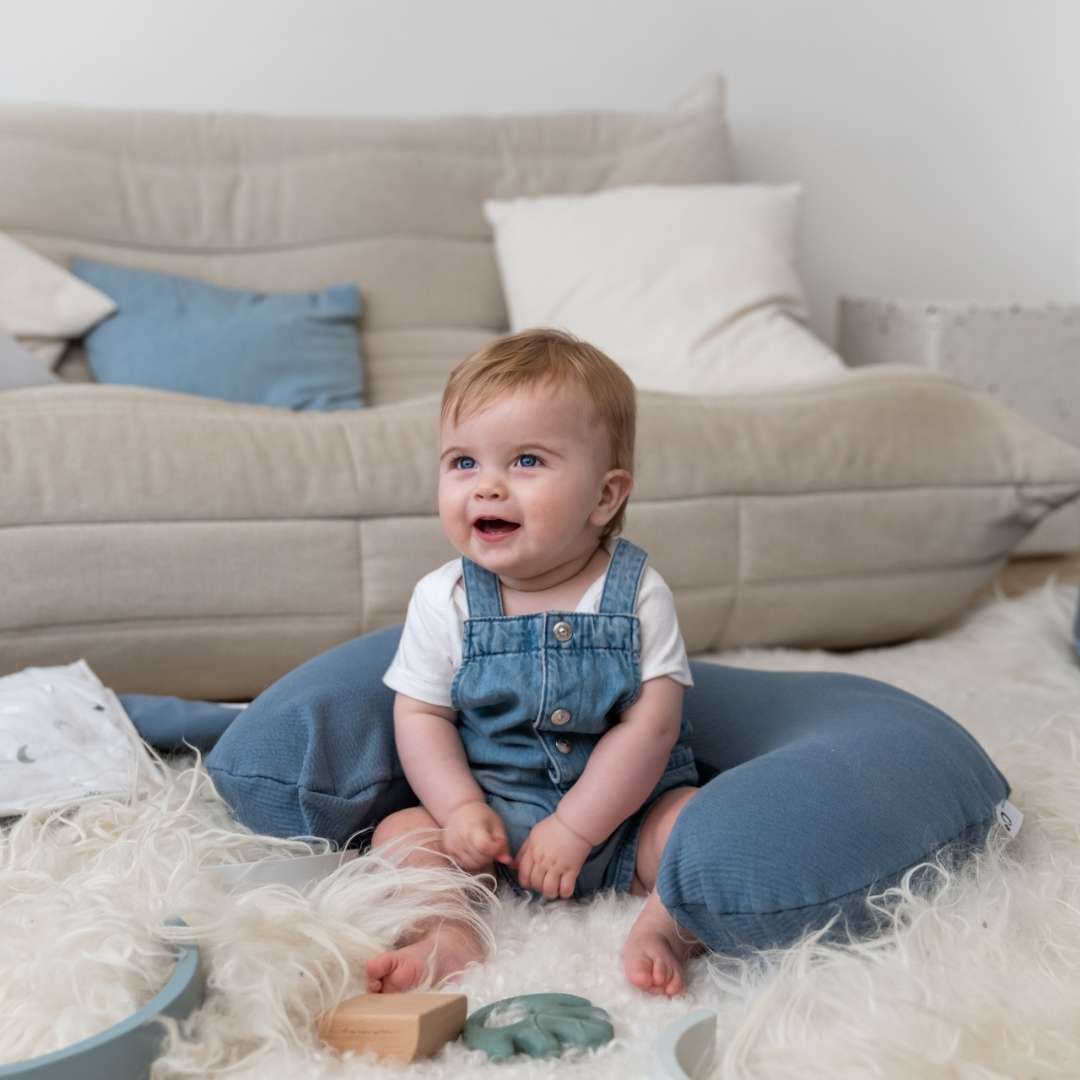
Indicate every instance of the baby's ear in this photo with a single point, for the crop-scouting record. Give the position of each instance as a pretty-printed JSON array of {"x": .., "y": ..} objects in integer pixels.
[{"x": 613, "y": 493}]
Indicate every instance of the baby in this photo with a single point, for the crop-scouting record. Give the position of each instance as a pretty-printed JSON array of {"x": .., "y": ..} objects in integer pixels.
[{"x": 539, "y": 678}]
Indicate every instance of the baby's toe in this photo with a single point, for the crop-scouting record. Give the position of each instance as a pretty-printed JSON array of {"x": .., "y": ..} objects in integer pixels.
[
  {"x": 661, "y": 972},
  {"x": 639, "y": 971},
  {"x": 376, "y": 969}
]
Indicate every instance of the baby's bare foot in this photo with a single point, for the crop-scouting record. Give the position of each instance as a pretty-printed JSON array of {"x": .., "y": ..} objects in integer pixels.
[
  {"x": 651, "y": 965},
  {"x": 654, "y": 953},
  {"x": 450, "y": 949}
]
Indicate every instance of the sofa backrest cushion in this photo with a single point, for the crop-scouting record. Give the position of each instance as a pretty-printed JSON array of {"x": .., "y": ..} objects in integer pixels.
[{"x": 393, "y": 205}]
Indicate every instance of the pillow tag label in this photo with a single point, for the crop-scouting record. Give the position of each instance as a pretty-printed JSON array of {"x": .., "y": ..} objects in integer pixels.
[{"x": 1009, "y": 817}]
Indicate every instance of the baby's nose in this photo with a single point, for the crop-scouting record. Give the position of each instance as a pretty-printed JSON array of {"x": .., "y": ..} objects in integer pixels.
[{"x": 490, "y": 486}]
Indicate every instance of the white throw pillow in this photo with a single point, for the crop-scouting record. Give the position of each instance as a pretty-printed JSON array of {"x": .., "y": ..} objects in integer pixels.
[
  {"x": 691, "y": 288},
  {"x": 42, "y": 305}
]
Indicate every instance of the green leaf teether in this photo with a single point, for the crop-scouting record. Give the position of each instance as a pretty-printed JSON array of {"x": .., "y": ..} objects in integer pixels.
[{"x": 551, "y": 1022}]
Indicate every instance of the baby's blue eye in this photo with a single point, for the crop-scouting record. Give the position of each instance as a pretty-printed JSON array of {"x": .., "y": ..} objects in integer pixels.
[
  {"x": 463, "y": 462},
  {"x": 528, "y": 461}
]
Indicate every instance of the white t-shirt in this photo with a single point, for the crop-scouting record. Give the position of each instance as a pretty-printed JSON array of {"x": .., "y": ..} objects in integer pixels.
[{"x": 429, "y": 652}]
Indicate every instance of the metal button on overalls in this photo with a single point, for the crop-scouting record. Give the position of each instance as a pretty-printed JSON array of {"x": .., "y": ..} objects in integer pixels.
[
  {"x": 562, "y": 745},
  {"x": 560, "y": 717},
  {"x": 563, "y": 631}
]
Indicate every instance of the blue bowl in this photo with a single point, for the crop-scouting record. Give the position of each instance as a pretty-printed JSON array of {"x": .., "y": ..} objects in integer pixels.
[{"x": 126, "y": 1050}]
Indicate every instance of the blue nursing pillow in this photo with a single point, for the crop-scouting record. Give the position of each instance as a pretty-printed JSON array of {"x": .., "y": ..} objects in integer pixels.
[
  {"x": 817, "y": 788},
  {"x": 828, "y": 786}
]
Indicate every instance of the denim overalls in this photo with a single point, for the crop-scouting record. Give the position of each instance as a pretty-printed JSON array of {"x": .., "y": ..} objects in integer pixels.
[{"x": 536, "y": 692}]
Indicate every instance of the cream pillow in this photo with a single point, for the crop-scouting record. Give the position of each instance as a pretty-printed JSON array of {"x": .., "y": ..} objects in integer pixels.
[
  {"x": 691, "y": 288},
  {"x": 42, "y": 305}
]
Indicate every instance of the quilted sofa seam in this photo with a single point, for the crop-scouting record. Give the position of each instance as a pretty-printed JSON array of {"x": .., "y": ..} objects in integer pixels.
[
  {"x": 268, "y": 249},
  {"x": 359, "y": 515},
  {"x": 667, "y": 125}
]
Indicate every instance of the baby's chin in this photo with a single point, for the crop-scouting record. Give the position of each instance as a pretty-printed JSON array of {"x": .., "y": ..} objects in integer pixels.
[
  {"x": 501, "y": 561},
  {"x": 505, "y": 557}
]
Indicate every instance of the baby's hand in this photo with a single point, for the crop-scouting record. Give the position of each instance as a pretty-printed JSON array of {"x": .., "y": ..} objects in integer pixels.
[
  {"x": 474, "y": 835},
  {"x": 551, "y": 858}
]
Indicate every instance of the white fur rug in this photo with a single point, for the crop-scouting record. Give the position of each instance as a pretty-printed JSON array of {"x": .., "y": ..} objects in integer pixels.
[{"x": 979, "y": 982}]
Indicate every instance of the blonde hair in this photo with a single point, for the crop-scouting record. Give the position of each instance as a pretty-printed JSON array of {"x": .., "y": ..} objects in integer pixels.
[{"x": 544, "y": 356}]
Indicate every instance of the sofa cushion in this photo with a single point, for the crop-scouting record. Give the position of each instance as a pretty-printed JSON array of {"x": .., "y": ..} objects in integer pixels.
[
  {"x": 828, "y": 786},
  {"x": 290, "y": 350},
  {"x": 693, "y": 289},
  {"x": 863, "y": 510},
  {"x": 291, "y": 203}
]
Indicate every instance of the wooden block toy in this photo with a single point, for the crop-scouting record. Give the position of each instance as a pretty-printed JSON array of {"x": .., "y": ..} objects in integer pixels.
[{"x": 400, "y": 1026}]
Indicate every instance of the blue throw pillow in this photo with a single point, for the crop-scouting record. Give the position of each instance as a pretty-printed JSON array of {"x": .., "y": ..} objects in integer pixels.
[
  {"x": 817, "y": 788},
  {"x": 292, "y": 350}
]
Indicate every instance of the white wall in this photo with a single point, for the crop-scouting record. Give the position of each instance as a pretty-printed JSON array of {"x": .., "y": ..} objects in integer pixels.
[{"x": 939, "y": 142}]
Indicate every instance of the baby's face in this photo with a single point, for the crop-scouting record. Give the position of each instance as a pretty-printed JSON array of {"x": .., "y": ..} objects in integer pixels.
[{"x": 520, "y": 480}]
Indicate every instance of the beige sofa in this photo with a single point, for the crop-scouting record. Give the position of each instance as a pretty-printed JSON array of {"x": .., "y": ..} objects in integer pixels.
[{"x": 194, "y": 547}]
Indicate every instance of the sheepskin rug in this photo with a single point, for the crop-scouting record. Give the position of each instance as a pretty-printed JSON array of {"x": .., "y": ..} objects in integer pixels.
[{"x": 979, "y": 980}]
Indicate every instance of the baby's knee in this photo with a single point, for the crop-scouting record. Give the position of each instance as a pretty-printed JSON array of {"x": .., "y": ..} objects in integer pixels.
[{"x": 414, "y": 819}]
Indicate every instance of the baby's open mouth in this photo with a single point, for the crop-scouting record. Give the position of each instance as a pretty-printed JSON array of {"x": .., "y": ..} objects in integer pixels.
[{"x": 494, "y": 525}]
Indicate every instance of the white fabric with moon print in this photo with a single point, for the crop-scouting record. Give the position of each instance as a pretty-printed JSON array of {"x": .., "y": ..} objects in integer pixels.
[{"x": 65, "y": 738}]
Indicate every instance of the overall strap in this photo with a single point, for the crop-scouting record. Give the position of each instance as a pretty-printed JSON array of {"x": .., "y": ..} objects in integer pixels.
[
  {"x": 623, "y": 578},
  {"x": 482, "y": 592}
]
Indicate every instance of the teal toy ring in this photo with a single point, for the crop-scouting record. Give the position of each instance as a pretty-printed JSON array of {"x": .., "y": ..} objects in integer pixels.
[
  {"x": 125, "y": 1051},
  {"x": 551, "y": 1022}
]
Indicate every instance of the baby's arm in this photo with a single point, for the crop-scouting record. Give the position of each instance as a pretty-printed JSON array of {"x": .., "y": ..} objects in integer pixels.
[
  {"x": 438, "y": 772},
  {"x": 626, "y": 763},
  {"x": 622, "y": 770}
]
